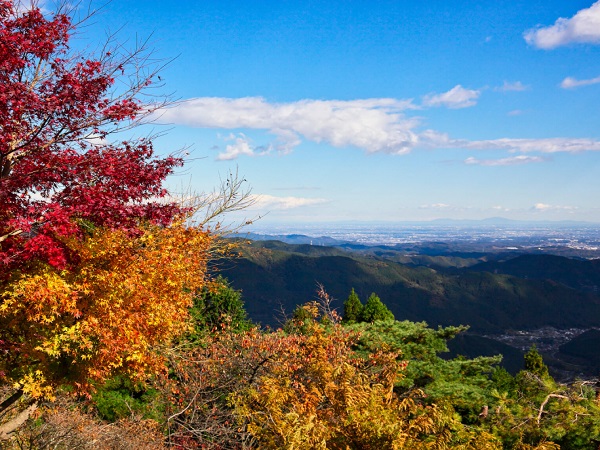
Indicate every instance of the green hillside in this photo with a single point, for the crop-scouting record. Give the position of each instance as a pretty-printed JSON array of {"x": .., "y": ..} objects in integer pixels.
[
  {"x": 276, "y": 276},
  {"x": 583, "y": 350}
]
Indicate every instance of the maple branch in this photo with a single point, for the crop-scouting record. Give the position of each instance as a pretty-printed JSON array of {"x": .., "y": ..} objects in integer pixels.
[
  {"x": 258, "y": 366},
  {"x": 173, "y": 416},
  {"x": 5, "y": 237}
]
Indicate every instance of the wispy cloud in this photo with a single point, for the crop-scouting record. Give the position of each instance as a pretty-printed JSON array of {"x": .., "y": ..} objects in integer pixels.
[
  {"x": 543, "y": 207},
  {"x": 571, "y": 83},
  {"x": 511, "y": 161},
  {"x": 271, "y": 202},
  {"x": 436, "y": 206},
  {"x": 375, "y": 125},
  {"x": 547, "y": 145},
  {"x": 583, "y": 27},
  {"x": 515, "y": 112},
  {"x": 456, "y": 98},
  {"x": 432, "y": 139},
  {"x": 517, "y": 86},
  {"x": 298, "y": 188}
]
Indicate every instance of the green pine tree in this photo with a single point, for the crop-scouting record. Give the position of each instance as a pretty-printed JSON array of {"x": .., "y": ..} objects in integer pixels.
[
  {"x": 534, "y": 363},
  {"x": 374, "y": 310},
  {"x": 352, "y": 308},
  {"x": 219, "y": 305}
]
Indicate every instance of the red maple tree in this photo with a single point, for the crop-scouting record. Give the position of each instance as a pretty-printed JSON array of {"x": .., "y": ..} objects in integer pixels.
[{"x": 58, "y": 171}]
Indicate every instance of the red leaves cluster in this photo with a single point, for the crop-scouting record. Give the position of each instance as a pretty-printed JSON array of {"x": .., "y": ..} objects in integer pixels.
[{"x": 57, "y": 171}]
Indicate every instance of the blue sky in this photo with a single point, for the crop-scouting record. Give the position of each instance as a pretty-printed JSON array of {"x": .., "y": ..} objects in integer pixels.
[{"x": 385, "y": 110}]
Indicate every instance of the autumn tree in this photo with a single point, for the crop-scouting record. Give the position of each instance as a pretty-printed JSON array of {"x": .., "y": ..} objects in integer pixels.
[
  {"x": 97, "y": 267},
  {"x": 304, "y": 388},
  {"x": 59, "y": 172},
  {"x": 103, "y": 314},
  {"x": 318, "y": 393}
]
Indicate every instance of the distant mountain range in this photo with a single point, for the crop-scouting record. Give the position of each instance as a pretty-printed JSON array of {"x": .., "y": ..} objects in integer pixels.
[
  {"x": 504, "y": 221},
  {"x": 292, "y": 239}
]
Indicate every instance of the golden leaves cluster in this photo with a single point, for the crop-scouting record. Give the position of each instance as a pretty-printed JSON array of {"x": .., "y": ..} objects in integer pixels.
[{"x": 121, "y": 297}]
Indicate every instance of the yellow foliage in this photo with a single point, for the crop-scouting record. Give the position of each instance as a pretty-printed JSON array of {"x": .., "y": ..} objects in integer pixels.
[
  {"x": 314, "y": 393},
  {"x": 120, "y": 297}
]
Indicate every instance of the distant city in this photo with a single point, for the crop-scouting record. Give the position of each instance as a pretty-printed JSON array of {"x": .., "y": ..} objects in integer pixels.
[{"x": 567, "y": 238}]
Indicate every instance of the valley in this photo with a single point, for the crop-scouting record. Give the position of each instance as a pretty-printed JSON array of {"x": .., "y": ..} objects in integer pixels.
[{"x": 510, "y": 299}]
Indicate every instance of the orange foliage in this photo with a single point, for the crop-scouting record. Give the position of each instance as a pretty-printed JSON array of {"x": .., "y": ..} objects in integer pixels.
[{"x": 105, "y": 313}]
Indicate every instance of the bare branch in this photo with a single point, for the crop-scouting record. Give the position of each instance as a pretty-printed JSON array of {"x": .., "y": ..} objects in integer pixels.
[{"x": 548, "y": 397}]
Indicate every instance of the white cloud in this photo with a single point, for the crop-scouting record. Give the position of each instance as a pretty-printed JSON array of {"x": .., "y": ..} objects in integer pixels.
[
  {"x": 455, "y": 98},
  {"x": 511, "y": 161},
  {"x": 543, "y": 207},
  {"x": 517, "y": 86},
  {"x": 571, "y": 83},
  {"x": 241, "y": 146},
  {"x": 515, "y": 112},
  {"x": 270, "y": 202},
  {"x": 375, "y": 125},
  {"x": 433, "y": 139},
  {"x": 298, "y": 188},
  {"x": 583, "y": 27}
]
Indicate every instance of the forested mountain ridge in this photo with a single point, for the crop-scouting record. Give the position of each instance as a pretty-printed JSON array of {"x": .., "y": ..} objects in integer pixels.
[
  {"x": 274, "y": 275},
  {"x": 579, "y": 274}
]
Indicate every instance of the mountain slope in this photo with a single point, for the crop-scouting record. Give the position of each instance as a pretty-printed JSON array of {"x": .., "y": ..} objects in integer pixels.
[
  {"x": 575, "y": 273},
  {"x": 281, "y": 276}
]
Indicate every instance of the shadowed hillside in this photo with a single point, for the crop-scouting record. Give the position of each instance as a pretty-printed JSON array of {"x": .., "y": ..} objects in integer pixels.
[
  {"x": 276, "y": 276},
  {"x": 576, "y": 273}
]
